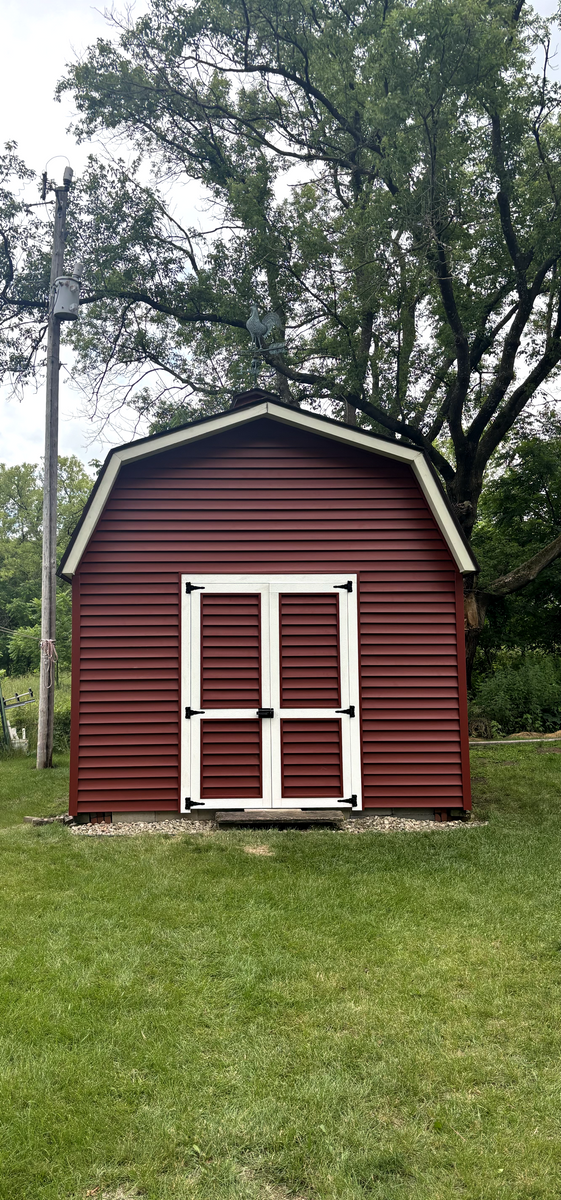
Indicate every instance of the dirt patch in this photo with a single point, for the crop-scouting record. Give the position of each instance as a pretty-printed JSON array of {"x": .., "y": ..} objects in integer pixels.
[
  {"x": 265, "y": 850},
  {"x": 119, "y": 1193},
  {"x": 270, "y": 1191}
]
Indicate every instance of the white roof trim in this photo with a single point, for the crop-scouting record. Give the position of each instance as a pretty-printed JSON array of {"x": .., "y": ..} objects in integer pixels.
[{"x": 285, "y": 416}]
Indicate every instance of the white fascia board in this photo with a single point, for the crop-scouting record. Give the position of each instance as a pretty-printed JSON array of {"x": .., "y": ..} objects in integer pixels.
[
  {"x": 167, "y": 441},
  {"x": 296, "y": 418},
  {"x": 92, "y": 516},
  {"x": 353, "y": 437},
  {"x": 414, "y": 458},
  {"x": 435, "y": 500}
]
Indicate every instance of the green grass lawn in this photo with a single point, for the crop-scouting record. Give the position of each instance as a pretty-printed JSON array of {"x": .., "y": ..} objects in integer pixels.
[
  {"x": 25, "y": 792},
  {"x": 373, "y": 1016}
]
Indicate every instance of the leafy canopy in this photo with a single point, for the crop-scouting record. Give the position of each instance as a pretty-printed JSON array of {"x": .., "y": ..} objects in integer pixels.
[{"x": 385, "y": 175}]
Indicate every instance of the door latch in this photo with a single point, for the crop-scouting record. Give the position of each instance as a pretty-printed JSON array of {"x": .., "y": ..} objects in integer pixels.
[
  {"x": 349, "y": 712},
  {"x": 194, "y": 712},
  {"x": 348, "y": 800},
  {"x": 265, "y": 712}
]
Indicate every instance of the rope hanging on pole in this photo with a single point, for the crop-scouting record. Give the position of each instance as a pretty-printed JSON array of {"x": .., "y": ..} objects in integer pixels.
[{"x": 48, "y": 649}]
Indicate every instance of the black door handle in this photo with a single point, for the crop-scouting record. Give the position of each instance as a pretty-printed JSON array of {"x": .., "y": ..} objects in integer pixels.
[{"x": 265, "y": 712}]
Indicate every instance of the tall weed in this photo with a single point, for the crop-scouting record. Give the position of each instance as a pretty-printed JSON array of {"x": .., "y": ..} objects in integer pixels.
[{"x": 526, "y": 696}]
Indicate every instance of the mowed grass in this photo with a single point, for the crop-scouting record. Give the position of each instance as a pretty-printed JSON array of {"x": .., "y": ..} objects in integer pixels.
[{"x": 353, "y": 1016}]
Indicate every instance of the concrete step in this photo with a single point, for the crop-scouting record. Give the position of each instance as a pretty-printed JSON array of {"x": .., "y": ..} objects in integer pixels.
[{"x": 281, "y": 818}]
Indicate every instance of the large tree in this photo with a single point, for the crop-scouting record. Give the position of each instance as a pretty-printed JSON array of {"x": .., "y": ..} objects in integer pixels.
[{"x": 384, "y": 175}]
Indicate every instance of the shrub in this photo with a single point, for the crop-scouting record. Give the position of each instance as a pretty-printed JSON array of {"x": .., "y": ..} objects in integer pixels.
[{"x": 522, "y": 697}]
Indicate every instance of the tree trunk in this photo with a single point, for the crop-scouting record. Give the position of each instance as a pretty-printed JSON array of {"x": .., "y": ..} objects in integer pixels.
[{"x": 475, "y": 609}]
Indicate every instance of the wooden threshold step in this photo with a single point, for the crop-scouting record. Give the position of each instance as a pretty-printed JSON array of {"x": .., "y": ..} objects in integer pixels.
[{"x": 280, "y": 817}]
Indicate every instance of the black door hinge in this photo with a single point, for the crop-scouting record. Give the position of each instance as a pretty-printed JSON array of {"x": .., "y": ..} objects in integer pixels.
[
  {"x": 349, "y": 712},
  {"x": 193, "y": 803},
  {"x": 194, "y": 712},
  {"x": 265, "y": 712},
  {"x": 348, "y": 586},
  {"x": 348, "y": 800},
  {"x": 194, "y": 587}
]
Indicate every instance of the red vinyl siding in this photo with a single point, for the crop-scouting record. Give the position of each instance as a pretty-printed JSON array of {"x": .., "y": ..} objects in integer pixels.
[
  {"x": 309, "y": 651},
  {"x": 311, "y": 759},
  {"x": 265, "y": 498},
  {"x": 230, "y": 759},
  {"x": 230, "y": 651}
]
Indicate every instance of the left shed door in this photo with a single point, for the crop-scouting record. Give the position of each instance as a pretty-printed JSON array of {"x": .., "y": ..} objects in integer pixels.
[{"x": 227, "y": 749}]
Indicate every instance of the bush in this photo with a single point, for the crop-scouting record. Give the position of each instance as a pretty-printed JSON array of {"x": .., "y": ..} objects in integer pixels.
[{"x": 522, "y": 697}]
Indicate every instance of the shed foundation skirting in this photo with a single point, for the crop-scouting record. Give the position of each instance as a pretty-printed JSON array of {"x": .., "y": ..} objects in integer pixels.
[
  {"x": 406, "y": 814},
  {"x": 129, "y": 818}
]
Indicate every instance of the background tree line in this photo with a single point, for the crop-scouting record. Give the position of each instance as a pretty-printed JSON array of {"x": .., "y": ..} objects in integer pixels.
[{"x": 21, "y": 513}]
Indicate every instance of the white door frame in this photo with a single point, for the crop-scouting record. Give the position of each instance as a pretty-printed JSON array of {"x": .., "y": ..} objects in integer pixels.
[{"x": 270, "y": 587}]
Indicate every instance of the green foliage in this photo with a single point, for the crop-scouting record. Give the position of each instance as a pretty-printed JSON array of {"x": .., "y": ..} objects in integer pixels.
[
  {"x": 523, "y": 696},
  {"x": 520, "y": 511},
  {"x": 21, "y": 511}
]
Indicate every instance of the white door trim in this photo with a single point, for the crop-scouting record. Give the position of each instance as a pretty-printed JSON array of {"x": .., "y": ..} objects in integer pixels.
[{"x": 270, "y": 587}]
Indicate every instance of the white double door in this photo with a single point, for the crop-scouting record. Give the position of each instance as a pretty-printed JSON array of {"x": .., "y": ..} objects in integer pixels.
[{"x": 270, "y": 692}]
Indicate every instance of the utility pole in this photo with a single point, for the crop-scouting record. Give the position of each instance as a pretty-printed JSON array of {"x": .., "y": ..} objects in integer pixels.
[{"x": 48, "y": 574}]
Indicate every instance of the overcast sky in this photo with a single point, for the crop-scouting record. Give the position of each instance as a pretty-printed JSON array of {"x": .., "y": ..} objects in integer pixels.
[{"x": 39, "y": 38}]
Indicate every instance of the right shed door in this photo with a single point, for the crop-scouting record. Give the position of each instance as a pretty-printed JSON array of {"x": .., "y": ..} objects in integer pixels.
[{"x": 306, "y": 726}]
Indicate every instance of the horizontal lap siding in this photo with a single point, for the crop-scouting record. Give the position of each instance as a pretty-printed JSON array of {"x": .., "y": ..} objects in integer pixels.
[
  {"x": 265, "y": 499},
  {"x": 410, "y": 693},
  {"x": 129, "y": 693}
]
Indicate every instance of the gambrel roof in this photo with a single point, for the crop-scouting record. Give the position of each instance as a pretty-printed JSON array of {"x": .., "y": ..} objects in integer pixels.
[{"x": 273, "y": 409}]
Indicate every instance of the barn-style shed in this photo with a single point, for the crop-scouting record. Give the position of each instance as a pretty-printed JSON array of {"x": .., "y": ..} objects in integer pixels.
[{"x": 267, "y": 613}]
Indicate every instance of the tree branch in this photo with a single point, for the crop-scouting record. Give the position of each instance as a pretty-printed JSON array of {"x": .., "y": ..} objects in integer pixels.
[
  {"x": 460, "y": 387},
  {"x": 526, "y": 572}
]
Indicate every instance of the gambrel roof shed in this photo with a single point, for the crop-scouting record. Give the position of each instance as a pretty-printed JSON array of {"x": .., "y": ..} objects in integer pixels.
[{"x": 267, "y": 611}]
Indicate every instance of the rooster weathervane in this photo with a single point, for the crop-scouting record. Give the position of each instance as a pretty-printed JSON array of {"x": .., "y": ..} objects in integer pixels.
[{"x": 260, "y": 328}]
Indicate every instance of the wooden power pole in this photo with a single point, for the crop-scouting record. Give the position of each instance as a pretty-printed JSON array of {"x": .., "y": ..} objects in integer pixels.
[{"x": 48, "y": 574}]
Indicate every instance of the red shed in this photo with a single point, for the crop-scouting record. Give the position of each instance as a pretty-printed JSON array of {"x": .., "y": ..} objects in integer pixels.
[{"x": 267, "y": 612}]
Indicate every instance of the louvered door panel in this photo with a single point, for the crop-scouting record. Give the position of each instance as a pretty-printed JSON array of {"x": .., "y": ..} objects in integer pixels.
[
  {"x": 311, "y": 758},
  {"x": 230, "y": 651},
  {"x": 231, "y": 759},
  {"x": 309, "y": 650}
]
